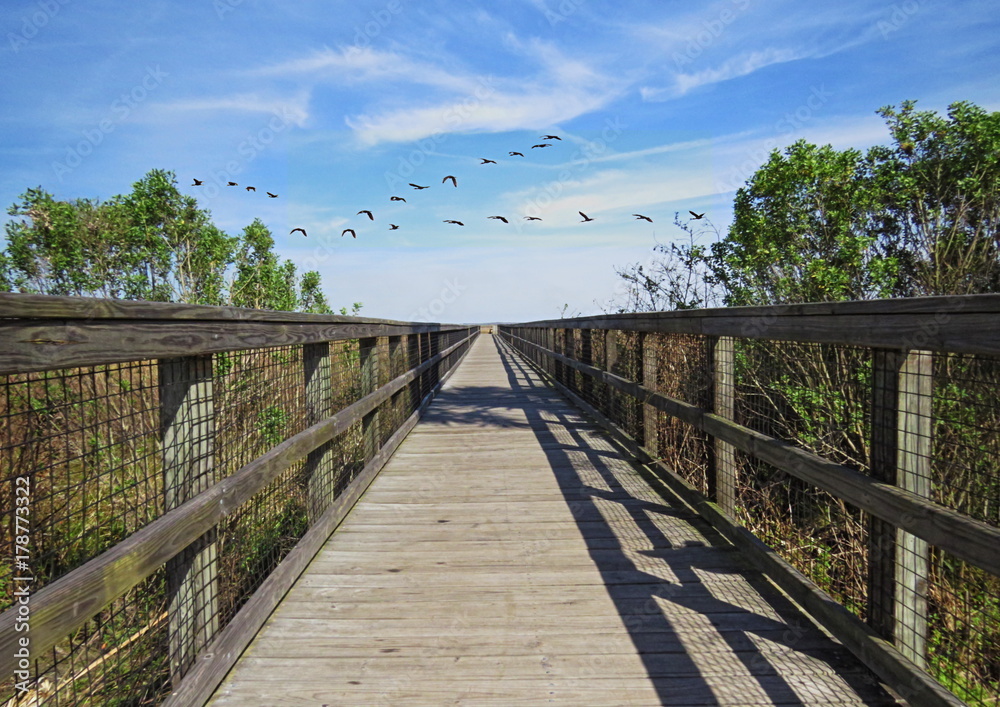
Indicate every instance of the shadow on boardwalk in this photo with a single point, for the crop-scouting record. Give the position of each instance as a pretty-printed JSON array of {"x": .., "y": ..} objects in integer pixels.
[{"x": 750, "y": 641}]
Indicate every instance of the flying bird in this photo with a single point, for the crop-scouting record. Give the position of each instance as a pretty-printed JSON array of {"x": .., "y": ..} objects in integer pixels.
[
  {"x": 532, "y": 218},
  {"x": 417, "y": 186},
  {"x": 299, "y": 229},
  {"x": 349, "y": 230},
  {"x": 453, "y": 180},
  {"x": 393, "y": 227},
  {"x": 197, "y": 182},
  {"x": 455, "y": 222},
  {"x": 695, "y": 216},
  {"x": 645, "y": 218},
  {"x": 397, "y": 198},
  {"x": 232, "y": 184},
  {"x": 520, "y": 154},
  {"x": 486, "y": 161},
  {"x": 251, "y": 188},
  {"x": 273, "y": 196},
  {"x": 544, "y": 144},
  {"x": 366, "y": 211},
  {"x": 499, "y": 217},
  {"x": 585, "y": 217},
  {"x": 551, "y": 137}
]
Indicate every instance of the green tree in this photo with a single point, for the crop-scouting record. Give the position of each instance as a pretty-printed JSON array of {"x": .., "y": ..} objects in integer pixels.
[
  {"x": 262, "y": 281},
  {"x": 153, "y": 243},
  {"x": 311, "y": 297}
]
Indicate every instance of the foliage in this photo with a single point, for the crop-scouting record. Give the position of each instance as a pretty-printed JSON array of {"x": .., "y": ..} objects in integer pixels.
[
  {"x": 153, "y": 243},
  {"x": 920, "y": 216}
]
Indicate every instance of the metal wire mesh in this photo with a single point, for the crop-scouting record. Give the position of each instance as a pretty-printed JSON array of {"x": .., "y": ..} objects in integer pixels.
[
  {"x": 106, "y": 450},
  {"x": 929, "y": 423}
]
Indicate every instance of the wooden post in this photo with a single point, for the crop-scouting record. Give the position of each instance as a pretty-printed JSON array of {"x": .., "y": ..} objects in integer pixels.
[
  {"x": 397, "y": 367},
  {"x": 369, "y": 383},
  {"x": 723, "y": 475},
  {"x": 319, "y": 469},
  {"x": 587, "y": 356},
  {"x": 649, "y": 367},
  {"x": 187, "y": 434},
  {"x": 898, "y": 563},
  {"x": 559, "y": 336},
  {"x": 916, "y": 385},
  {"x": 611, "y": 366}
]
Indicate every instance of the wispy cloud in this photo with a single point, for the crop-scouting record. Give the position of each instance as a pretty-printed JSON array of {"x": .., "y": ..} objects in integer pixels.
[
  {"x": 735, "y": 67},
  {"x": 293, "y": 109},
  {"x": 561, "y": 88}
]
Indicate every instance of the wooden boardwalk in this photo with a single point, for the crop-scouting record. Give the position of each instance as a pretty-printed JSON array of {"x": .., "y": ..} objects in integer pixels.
[{"x": 509, "y": 555}]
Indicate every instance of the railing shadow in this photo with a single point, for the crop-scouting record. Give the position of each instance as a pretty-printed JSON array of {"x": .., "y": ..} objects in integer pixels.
[{"x": 744, "y": 623}]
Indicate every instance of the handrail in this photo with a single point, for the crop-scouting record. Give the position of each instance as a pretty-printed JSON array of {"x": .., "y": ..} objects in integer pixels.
[
  {"x": 748, "y": 380},
  {"x": 63, "y": 606},
  {"x": 175, "y": 357},
  {"x": 960, "y": 323},
  {"x": 971, "y": 540}
]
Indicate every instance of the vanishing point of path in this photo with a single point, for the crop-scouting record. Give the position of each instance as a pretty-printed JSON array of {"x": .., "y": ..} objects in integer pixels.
[{"x": 508, "y": 554}]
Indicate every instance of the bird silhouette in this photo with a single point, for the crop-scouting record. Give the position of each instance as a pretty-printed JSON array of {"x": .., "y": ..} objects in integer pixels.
[
  {"x": 453, "y": 180},
  {"x": 551, "y": 137},
  {"x": 366, "y": 211},
  {"x": 499, "y": 217},
  {"x": 197, "y": 182},
  {"x": 393, "y": 227},
  {"x": 232, "y": 184},
  {"x": 348, "y": 230},
  {"x": 645, "y": 218},
  {"x": 397, "y": 198},
  {"x": 695, "y": 216},
  {"x": 585, "y": 217},
  {"x": 417, "y": 186},
  {"x": 520, "y": 154},
  {"x": 251, "y": 189},
  {"x": 273, "y": 196},
  {"x": 532, "y": 218},
  {"x": 455, "y": 222},
  {"x": 544, "y": 144},
  {"x": 299, "y": 229},
  {"x": 486, "y": 161}
]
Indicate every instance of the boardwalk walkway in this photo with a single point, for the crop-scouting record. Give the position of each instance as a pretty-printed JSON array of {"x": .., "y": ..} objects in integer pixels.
[{"x": 509, "y": 555}]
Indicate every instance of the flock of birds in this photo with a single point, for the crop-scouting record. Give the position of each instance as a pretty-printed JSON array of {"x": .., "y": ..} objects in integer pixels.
[{"x": 454, "y": 183}]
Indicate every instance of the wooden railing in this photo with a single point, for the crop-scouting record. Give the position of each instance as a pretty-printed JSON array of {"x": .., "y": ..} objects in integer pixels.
[
  {"x": 859, "y": 439},
  {"x": 180, "y": 465}
]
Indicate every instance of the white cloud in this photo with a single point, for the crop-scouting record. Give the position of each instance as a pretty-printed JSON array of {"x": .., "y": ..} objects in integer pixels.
[
  {"x": 735, "y": 67},
  {"x": 294, "y": 110},
  {"x": 364, "y": 65}
]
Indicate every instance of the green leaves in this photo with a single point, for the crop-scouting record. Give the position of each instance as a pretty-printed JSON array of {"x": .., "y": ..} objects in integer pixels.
[{"x": 153, "y": 243}]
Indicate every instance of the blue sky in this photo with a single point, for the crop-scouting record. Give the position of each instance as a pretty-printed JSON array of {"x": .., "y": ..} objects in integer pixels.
[{"x": 662, "y": 107}]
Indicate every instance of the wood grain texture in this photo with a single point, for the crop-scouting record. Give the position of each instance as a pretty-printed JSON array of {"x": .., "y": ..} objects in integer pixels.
[
  {"x": 40, "y": 345},
  {"x": 544, "y": 570},
  {"x": 214, "y": 663},
  {"x": 908, "y": 680},
  {"x": 63, "y": 606},
  {"x": 968, "y": 539},
  {"x": 964, "y": 324}
]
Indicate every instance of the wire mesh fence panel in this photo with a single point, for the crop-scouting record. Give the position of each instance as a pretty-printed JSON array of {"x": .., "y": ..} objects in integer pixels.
[
  {"x": 84, "y": 446},
  {"x": 101, "y": 452},
  {"x": 926, "y": 423}
]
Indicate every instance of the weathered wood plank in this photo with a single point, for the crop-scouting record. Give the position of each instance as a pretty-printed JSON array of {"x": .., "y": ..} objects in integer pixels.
[
  {"x": 964, "y": 325},
  {"x": 401, "y": 608},
  {"x": 968, "y": 539},
  {"x": 63, "y": 606},
  {"x": 40, "y": 345},
  {"x": 908, "y": 680},
  {"x": 187, "y": 436}
]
